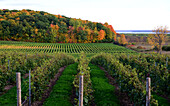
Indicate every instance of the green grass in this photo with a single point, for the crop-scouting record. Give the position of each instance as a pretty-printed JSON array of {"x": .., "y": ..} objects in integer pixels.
[
  {"x": 161, "y": 101},
  {"x": 61, "y": 92},
  {"x": 10, "y": 98},
  {"x": 104, "y": 92}
]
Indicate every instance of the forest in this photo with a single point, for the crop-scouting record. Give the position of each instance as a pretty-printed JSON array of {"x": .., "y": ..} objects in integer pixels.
[{"x": 39, "y": 26}]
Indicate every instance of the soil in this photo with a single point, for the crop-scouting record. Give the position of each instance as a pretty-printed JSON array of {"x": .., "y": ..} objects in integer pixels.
[
  {"x": 47, "y": 91},
  {"x": 123, "y": 97},
  {"x": 8, "y": 87}
]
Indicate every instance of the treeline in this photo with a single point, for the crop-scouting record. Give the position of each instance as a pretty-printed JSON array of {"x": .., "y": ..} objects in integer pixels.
[{"x": 39, "y": 26}]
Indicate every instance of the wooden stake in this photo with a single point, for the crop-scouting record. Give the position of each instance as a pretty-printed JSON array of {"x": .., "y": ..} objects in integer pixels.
[
  {"x": 81, "y": 91},
  {"x": 18, "y": 83},
  {"x": 148, "y": 91}
]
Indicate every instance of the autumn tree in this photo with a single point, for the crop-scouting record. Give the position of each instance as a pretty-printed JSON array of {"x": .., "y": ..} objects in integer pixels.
[
  {"x": 40, "y": 26},
  {"x": 158, "y": 37},
  {"x": 88, "y": 31},
  {"x": 101, "y": 35},
  {"x": 109, "y": 34},
  {"x": 95, "y": 35},
  {"x": 123, "y": 39},
  {"x": 118, "y": 40},
  {"x": 114, "y": 36}
]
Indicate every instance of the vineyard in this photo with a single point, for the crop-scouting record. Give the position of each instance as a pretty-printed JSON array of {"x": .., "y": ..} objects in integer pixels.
[
  {"x": 112, "y": 78},
  {"x": 70, "y": 48},
  {"x": 131, "y": 72}
]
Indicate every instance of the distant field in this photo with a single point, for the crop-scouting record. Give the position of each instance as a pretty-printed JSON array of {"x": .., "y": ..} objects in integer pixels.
[{"x": 70, "y": 48}]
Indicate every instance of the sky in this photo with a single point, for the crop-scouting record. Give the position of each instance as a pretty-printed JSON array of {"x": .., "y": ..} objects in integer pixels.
[{"x": 121, "y": 14}]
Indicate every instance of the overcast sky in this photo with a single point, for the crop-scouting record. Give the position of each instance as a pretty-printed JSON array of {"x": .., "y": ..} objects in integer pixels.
[{"x": 121, "y": 14}]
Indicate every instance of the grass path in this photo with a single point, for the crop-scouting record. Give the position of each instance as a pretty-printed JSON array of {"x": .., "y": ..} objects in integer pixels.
[
  {"x": 104, "y": 94},
  {"x": 61, "y": 92}
]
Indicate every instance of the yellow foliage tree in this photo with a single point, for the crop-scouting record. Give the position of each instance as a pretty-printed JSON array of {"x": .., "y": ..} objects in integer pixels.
[
  {"x": 114, "y": 36},
  {"x": 123, "y": 39},
  {"x": 158, "y": 38}
]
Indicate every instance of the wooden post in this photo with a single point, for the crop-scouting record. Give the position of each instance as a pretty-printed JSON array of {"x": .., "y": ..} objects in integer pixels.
[
  {"x": 18, "y": 83},
  {"x": 29, "y": 87},
  {"x": 81, "y": 90},
  {"x": 148, "y": 92}
]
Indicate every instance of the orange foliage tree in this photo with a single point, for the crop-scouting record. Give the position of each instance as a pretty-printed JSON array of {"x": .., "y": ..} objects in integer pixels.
[
  {"x": 159, "y": 38},
  {"x": 101, "y": 35}
]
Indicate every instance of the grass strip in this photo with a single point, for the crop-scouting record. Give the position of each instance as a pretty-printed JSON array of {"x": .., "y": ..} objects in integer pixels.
[
  {"x": 10, "y": 97},
  {"x": 104, "y": 92},
  {"x": 161, "y": 101},
  {"x": 61, "y": 92}
]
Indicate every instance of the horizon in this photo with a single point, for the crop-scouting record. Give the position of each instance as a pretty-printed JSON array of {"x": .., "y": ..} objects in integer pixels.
[
  {"x": 122, "y": 14},
  {"x": 138, "y": 30}
]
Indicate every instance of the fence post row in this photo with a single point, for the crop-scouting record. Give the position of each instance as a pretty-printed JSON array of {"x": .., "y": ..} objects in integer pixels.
[
  {"x": 81, "y": 90},
  {"x": 18, "y": 84},
  {"x": 148, "y": 91}
]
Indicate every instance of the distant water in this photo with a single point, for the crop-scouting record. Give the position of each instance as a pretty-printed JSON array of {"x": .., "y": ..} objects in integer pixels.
[{"x": 137, "y": 31}]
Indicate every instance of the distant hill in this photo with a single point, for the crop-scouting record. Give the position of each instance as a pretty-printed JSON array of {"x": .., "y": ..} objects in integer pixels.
[{"x": 40, "y": 26}]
